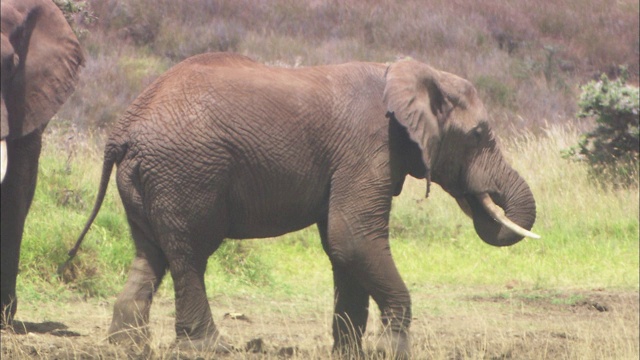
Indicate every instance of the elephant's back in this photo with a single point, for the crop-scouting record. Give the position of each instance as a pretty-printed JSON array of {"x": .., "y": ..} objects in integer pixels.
[
  {"x": 218, "y": 59},
  {"x": 268, "y": 139},
  {"x": 219, "y": 82},
  {"x": 231, "y": 103},
  {"x": 233, "y": 108}
]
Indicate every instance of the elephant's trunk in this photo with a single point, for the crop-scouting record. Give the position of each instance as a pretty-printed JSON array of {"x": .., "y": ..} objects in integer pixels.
[{"x": 504, "y": 218}]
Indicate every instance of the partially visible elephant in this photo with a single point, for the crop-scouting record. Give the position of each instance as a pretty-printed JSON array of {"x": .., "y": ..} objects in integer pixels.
[
  {"x": 222, "y": 147},
  {"x": 41, "y": 58}
]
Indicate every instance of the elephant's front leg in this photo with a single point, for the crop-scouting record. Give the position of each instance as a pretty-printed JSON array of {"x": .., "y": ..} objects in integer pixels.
[
  {"x": 392, "y": 296},
  {"x": 351, "y": 307},
  {"x": 351, "y": 312},
  {"x": 18, "y": 189},
  {"x": 357, "y": 244}
]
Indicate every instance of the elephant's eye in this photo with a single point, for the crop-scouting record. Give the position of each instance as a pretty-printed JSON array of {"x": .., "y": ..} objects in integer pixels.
[
  {"x": 10, "y": 63},
  {"x": 477, "y": 133},
  {"x": 481, "y": 132}
]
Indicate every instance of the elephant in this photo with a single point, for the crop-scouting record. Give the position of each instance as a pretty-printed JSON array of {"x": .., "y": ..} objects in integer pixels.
[
  {"x": 222, "y": 146},
  {"x": 41, "y": 61}
]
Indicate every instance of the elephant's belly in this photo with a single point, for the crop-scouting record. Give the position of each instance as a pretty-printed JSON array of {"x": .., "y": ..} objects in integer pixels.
[
  {"x": 276, "y": 222},
  {"x": 274, "y": 211}
]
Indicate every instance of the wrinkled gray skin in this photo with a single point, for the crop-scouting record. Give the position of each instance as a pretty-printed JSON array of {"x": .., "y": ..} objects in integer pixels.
[
  {"x": 40, "y": 62},
  {"x": 223, "y": 147}
]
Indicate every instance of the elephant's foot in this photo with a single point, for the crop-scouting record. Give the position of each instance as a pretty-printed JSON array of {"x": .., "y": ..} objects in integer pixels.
[
  {"x": 348, "y": 348},
  {"x": 348, "y": 352},
  {"x": 8, "y": 312},
  {"x": 394, "y": 345},
  {"x": 129, "y": 335},
  {"x": 130, "y": 324},
  {"x": 214, "y": 343},
  {"x": 5, "y": 320}
]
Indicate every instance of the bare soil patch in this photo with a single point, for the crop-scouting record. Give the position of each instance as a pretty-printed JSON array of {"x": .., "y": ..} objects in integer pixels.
[{"x": 449, "y": 323}]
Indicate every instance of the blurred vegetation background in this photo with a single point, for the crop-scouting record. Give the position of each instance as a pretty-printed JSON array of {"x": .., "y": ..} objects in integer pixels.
[{"x": 526, "y": 57}]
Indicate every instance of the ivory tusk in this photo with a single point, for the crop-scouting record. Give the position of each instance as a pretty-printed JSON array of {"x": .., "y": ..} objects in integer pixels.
[
  {"x": 498, "y": 215},
  {"x": 3, "y": 160},
  {"x": 464, "y": 206}
]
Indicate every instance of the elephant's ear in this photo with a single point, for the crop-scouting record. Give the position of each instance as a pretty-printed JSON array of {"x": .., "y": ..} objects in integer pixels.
[
  {"x": 421, "y": 99},
  {"x": 50, "y": 58}
]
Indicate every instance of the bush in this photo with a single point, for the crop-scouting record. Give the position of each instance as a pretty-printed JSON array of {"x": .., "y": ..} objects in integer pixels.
[
  {"x": 72, "y": 9},
  {"x": 495, "y": 92},
  {"x": 612, "y": 147}
]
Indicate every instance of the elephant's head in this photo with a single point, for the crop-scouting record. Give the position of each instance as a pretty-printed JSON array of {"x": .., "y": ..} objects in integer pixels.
[
  {"x": 40, "y": 59},
  {"x": 445, "y": 118}
]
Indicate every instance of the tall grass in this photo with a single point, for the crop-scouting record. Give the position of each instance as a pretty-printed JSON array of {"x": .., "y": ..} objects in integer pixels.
[{"x": 589, "y": 234}]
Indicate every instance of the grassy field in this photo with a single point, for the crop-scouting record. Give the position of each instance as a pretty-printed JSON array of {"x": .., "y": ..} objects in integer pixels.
[
  {"x": 589, "y": 233},
  {"x": 540, "y": 299}
]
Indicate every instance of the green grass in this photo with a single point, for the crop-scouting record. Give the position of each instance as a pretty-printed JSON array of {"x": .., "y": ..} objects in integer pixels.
[{"x": 589, "y": 235}]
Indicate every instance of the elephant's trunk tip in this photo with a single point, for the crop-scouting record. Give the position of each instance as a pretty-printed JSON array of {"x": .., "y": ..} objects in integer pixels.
[{"x": 498, "y": 215}]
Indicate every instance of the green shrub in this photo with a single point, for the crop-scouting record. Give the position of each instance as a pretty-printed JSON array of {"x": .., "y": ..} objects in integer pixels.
[
  {"x": 72, "y": 8},
  {"x": 238, "y": 259},
  {"x": 612, "y": 147},
  {"x": 495, "y": 91}
]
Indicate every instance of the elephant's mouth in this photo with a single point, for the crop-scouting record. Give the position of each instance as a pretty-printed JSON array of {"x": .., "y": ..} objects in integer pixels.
[
  {"x": 472, "y": 205},
  {"x": 498, "y": 214}
]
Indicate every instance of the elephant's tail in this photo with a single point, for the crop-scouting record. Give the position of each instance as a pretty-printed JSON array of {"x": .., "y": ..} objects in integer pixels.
[{"x": 111, "y": 156}]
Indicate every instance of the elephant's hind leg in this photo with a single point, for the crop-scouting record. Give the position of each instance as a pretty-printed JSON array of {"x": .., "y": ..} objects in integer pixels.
[
  {"x": 131, "y": 311},
  {"x": 195, "y": 329},
  {"x": 187, "y": 253}
]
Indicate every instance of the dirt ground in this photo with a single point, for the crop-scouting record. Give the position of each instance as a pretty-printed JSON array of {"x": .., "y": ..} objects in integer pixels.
[{"x": 449, "y": 323}]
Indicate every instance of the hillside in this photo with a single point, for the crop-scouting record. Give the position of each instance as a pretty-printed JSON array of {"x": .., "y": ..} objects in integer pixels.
[{"x": 527, "y": 58}]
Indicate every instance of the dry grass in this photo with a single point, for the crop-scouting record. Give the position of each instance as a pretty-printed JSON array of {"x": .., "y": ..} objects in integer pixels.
[
  {"x": 526, "y": 57},
  {"x": 455, "y": 323}
]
